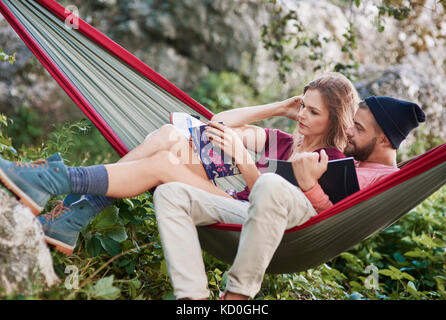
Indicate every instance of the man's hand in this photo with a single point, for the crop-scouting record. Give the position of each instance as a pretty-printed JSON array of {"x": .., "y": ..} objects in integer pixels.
[{"x": 308, "y": 169}]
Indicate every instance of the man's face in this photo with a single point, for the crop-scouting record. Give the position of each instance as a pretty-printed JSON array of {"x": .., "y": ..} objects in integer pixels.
[{"x": 362, "y": 136}]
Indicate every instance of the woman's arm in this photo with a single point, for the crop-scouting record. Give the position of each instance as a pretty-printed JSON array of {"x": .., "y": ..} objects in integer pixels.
[
  {"x": 248, "y": 169},
  {"x": 254, "y": 137},
  {"x": 242, "y": 116}
]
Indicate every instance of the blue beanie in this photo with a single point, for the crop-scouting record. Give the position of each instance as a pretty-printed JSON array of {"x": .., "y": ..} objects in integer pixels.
[{"x": 395, "y": 117}]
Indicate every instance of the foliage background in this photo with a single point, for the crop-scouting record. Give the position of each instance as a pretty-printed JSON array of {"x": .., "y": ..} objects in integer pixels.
[{"x": 119, "y": 255}]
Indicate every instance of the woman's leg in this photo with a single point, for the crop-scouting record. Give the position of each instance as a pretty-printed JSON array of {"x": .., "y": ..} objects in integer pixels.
[
  {"x": 163, "y": 138},
  {"x": 129, "y": 179},
  {"x": 167, "y": 138}
]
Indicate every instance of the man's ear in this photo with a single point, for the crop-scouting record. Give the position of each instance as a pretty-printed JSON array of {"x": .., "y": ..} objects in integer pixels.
[{"x": 384, "y": 141}]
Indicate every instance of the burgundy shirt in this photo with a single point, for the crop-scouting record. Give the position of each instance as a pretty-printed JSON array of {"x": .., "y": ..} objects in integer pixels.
[{"x": 278, "y": 145}]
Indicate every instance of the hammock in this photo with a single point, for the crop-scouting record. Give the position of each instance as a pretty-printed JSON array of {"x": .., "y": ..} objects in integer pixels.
[{"x": 125, "y": 99}]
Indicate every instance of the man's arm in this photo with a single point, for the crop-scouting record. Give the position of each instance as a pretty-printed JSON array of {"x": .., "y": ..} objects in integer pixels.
[
  {"x": 318, "y": 198},
  {"x": 307, "y": 170}
]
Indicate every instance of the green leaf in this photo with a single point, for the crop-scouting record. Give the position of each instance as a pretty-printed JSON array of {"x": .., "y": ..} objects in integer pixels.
[
  {"x": 169, "y": 296},
  {"x": 417, "y": 253},
  {"x": 104, "y": 289},
  {"x": 163, "y": 268},
  {"x": 112, "y": 247},
  {"x": 440, "y": 280},
  {"x": 398, "y": 257},
  {"x": 118, "y": 234},
  {"x": 411, "y": 289},
  {"x": 428, "y": 241},
  {"x": 108, "y": 218},
  {"x": 93, "y": 246},
  {"x": 129, "y": 203}
]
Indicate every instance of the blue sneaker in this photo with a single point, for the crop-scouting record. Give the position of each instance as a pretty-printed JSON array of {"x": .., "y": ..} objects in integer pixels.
[
  {"x": 35, "y": 182},
  {"x": 63, "y": 225}
]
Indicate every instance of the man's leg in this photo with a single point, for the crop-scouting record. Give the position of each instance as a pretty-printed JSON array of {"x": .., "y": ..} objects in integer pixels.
[
  {"x": 179, "y": 208},
  {"x": 275, "y": 206}
]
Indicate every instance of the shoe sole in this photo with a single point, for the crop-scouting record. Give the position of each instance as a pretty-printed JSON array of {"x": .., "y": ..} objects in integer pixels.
[
  {"x": 22, "y": 197},
  {"x": 60, "y": 246}
]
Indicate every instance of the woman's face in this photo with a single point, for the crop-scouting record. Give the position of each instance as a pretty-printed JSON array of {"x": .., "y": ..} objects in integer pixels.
[{"x": 313, "y": 118}]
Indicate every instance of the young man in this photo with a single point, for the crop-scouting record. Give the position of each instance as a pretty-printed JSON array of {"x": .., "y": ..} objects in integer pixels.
[
  {"x": 381, "y": 124},
  {"x": 275, "y": 205}
]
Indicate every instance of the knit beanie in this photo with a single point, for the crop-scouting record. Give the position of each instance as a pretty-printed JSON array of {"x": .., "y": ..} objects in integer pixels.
[{"x": 396, "y": 117}]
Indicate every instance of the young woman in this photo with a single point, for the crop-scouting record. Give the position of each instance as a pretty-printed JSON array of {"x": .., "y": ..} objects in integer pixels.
[{"x": 323, "y": 114}]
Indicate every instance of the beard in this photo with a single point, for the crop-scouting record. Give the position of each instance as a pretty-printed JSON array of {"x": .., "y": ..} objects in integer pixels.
[{"x": 360, "y": 153}]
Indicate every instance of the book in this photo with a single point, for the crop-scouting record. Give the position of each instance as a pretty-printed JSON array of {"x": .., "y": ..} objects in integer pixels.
[
  {"x": 184, "y": 121},
  {"x": 338, "y": 182},
  {"x": 216, "y": 163}
]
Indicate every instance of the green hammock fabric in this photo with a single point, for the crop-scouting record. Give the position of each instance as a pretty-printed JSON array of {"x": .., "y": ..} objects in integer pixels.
[
  {"x": 320, "y": 242},
  {"x": 132, "y": 105}
]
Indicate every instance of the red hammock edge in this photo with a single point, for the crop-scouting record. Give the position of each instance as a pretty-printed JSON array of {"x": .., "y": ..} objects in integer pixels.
[
  {"x": 430, "y": 159},
  {"x": 423, "y": 163},
  {"x": 64, "y": 82},
  {"x": 107, "y": 44}
]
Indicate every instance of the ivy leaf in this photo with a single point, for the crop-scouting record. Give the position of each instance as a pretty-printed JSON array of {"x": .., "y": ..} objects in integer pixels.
[{"x": 396, "y": 274}]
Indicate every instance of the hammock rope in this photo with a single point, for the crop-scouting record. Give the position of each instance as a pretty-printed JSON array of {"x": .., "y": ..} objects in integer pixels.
[{"x": 125, "y": 99}]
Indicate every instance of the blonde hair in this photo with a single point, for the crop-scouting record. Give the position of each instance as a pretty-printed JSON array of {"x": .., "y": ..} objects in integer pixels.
[{"x": 341, "y": 99}]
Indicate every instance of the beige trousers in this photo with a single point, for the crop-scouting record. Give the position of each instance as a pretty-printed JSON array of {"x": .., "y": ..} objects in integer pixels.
[{"x": 274, "y": 206}]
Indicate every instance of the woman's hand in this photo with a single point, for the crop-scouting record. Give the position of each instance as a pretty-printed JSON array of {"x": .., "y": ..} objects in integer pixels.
[
  {"x": 228, "y": 141},
  {"x": 291, "y": 107}
]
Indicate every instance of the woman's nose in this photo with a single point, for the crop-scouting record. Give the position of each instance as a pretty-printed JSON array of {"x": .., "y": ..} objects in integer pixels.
[
  {"x": 349, "y": 132},
  {"x": 302, "y": 113}
]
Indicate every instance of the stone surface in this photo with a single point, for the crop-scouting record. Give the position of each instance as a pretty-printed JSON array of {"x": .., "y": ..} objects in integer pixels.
[
  {"x": 405, "y": 82},
  {"x": 24, "y": 257},
  {"x": 186, "y": 39}
]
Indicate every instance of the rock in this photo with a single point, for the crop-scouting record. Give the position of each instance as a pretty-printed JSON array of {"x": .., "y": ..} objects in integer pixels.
[
  {"x": 24, "y": 257},
  {"x": 184, "y": 40},
  {"x": 413, "y": 82}
]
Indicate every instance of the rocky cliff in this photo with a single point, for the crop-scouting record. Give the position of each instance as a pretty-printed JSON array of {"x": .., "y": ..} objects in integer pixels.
[{"x": 185, "y": 39}]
